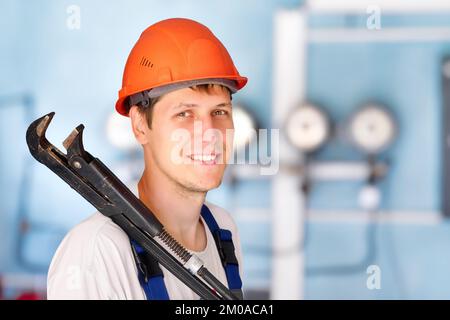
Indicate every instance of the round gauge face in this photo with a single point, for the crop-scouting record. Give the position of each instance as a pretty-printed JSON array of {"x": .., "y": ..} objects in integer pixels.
[
  {"x": 244, "y": 127},
  {"x": 119, "y": 132},
  {"x": 372, "y": 129},
  {"x": 307, "y": 128}
]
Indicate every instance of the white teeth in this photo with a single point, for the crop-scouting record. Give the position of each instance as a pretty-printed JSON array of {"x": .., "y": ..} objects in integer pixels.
[{"x": 202, "y": 157}]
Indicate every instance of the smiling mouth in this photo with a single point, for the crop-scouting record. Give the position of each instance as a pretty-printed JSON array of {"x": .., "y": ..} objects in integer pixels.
[{"x": 205, "y": 159}]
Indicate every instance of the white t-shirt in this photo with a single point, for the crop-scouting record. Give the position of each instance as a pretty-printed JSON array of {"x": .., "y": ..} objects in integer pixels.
[{"x": 95, "y": 261}]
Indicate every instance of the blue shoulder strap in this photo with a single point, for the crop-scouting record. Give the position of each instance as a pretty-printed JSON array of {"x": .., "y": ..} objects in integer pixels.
[
  {"x": 150, "y": 274},
  {"x": 152, "y": 278},
  {"x": 224, "y": 243}
]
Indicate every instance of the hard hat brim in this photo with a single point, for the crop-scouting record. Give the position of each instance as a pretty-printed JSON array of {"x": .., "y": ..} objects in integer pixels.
[{"x": 232, "y": 83}]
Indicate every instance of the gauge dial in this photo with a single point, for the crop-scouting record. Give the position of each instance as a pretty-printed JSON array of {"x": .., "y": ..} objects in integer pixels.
[
  {"x": 372, "y": 128},
  {"x": 307, "y": 128},
  {"x": 244, "y": 127}
]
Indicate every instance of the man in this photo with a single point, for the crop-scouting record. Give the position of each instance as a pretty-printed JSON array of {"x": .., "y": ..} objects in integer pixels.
[{"x": 177, "y": 83}]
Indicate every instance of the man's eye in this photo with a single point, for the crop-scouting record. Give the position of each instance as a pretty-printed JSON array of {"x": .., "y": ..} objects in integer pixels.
[
  {"x": 183, "y": 114},
  {"x": 220, "y": 113}
]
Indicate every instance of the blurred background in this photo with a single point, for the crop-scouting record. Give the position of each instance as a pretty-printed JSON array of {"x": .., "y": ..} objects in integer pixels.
[{"x": 357, "y": 94}]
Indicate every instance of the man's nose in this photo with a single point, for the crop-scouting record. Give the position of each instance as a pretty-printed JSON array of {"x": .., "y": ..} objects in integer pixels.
[
  {"x": 207, "y": 122},
  {"x": 203, "y": 124},
  {"x": 205, "y": 131}
]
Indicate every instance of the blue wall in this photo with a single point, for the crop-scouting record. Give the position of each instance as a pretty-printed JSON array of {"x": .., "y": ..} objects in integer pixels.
[{"x": 77, "y": 74}]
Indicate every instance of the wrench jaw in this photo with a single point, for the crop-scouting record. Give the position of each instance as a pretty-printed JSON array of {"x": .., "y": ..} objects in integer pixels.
[
  {"x": 74, "y": 145},
  {"x": 45, "y": 152},
  {"x": 36, "y": 140}
]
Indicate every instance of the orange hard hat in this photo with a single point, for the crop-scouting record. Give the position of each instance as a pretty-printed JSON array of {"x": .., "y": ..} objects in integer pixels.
[{"x": 176, "y": 53}]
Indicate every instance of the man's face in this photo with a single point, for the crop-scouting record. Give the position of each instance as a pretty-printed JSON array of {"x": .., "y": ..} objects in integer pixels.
[{"x": 189, "y": 140}]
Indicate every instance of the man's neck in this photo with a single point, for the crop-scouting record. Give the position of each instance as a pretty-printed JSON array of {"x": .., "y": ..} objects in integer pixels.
[{"x": 177, "y": 209}]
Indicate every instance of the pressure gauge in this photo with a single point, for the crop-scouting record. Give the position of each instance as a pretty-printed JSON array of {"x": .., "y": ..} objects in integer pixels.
[
  {"x": 307, "y": 127},
  {"x": 119, "y": 132},
  {"x": 244, "y": 127},
  {"x": 372, "y": 128}
]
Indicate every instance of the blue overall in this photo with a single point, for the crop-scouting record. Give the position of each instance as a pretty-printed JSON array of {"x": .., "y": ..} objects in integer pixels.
[{"x": 151, "y": 276}]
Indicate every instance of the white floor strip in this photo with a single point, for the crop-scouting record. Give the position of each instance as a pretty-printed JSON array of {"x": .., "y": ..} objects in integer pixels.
[{"x": 392, "y": 217}]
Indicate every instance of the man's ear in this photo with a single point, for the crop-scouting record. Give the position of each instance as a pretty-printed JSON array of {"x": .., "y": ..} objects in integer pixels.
[{"x": 139, "y": 125}]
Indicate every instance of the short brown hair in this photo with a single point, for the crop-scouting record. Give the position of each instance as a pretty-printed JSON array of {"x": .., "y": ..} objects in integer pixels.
[{"x": 147, "y": 111}]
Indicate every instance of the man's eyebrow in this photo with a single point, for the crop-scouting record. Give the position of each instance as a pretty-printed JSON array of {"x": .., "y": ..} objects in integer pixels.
[
  {"x": 192, "y": 105},
  {"x": 225, "y": 104}
]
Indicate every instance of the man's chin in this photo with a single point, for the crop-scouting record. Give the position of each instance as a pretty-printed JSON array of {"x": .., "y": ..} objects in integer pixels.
[
  {"x": 207, "y": 186},
  {"x": 204, "y": 185},
  {"x": 200, "y": 179}
]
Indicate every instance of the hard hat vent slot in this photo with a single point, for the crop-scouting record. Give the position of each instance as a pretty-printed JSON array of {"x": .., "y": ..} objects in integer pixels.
[{"x": 146, "y": 62}]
